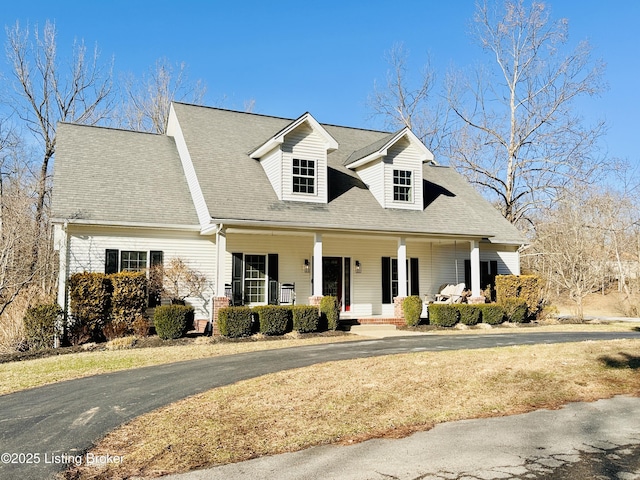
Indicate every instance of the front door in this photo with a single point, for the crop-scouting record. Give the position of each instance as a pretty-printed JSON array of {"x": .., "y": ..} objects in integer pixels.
[{"x": 332, "y": 277}]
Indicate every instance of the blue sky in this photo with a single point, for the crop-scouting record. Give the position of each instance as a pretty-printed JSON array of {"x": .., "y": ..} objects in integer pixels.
[{"x": 323, "y": 56}]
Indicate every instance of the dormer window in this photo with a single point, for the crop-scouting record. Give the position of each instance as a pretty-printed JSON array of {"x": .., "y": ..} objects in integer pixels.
[
  {"x": 402, "y": 186},
  {"x": 304, "y": 176}
]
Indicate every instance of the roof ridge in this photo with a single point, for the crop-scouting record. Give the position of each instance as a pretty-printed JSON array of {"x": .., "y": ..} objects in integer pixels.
[
  {"x": 290, "y": 119},
  {"x": 108, "y": 127}
]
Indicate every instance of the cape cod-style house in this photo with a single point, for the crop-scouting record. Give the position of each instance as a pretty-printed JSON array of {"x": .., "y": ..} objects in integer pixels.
[{"x": 274, "y": 210}]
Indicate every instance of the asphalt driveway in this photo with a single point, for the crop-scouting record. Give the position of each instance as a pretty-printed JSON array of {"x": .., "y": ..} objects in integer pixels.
[{"x": 43, "y": 429}]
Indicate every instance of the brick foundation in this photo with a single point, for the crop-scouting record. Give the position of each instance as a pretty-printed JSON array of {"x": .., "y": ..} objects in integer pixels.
[
  {"x": 398, "y": 321},
  {"x": 476, "y": 300},
  {"x": 315, "y": 301},
  {"x": 398, "y": 308},
  {"x": 218, "y": 303}
]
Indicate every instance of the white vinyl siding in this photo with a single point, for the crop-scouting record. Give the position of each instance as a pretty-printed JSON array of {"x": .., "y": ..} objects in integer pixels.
[
  {"x": 304, "y": 144},
  {"x": 403, "y": 156},
  {"x": 372, "y": 175},
  {"x": 272, "y": 165},
  {"x": 87, "y": 247}
]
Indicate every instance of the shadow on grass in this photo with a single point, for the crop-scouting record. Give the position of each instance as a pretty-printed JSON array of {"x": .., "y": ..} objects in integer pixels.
[{"x": 621, "y": 360}]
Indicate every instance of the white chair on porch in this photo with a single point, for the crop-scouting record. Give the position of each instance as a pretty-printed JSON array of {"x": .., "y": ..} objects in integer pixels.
[{"x": 287, "y": 294}]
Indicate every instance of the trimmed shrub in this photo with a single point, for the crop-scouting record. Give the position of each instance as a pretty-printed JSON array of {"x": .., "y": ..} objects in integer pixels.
[
  {"x": 172, "y": 321},
  {"x": 469, "y": 314},
  {"x": 129, "y": 297},
  {"x": 235, "y": 322},
  {"x": 491, "y": 313},
  {"x": 515, "y": 309},
  {"x": 273, "y": 319},
  {"x": 306, "y": 318},
  {"x": 90, "y": 295},
  {"x": 412, "y": 307},
  {"x": 525, "y": 287},
  {"x": 115, "y": 329},
  {"x": 443, "y": 315},
  {"x": 41, "y": 325},
  {"x": 330, "y": 312}
]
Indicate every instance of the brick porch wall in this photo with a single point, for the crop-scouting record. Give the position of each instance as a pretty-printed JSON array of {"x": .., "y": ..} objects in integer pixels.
[
  {"x": 398, "y": 322},
  {"x": 218, "y": 303}
]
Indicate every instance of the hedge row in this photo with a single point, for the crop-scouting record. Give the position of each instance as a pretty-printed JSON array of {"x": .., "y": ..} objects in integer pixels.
[
  {"x": 445, "y": 315},
  {"x": 278, "y": 319},
  {"x": 523, "y": 288},
  {"x": 106, "y": 305}
]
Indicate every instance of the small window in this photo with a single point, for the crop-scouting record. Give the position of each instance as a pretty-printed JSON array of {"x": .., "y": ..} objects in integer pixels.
[
  {"x": 402, "y": 186},
  {"x": 304, "y": 176},
  {"x": 131, "y": 261}
]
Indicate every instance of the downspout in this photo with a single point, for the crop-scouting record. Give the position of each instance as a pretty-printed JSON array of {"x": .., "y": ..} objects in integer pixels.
[{"x": 219, "y": 229}]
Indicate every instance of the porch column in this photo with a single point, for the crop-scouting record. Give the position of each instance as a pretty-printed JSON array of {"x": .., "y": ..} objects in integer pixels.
[
  {"x": 221, "y": 249},
  {"x": 475, "y": 269},
  {"x": 402, "y": 267},
  {"x": 219, "y": 299},
  {"x": 317, "y": 265}
]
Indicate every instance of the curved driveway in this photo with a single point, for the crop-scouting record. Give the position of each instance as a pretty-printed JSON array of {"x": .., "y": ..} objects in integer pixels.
[{"x": 44, "y": 428}]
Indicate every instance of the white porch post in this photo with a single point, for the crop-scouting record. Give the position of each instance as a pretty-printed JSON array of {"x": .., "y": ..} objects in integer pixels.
[
  {"x": 475, "y": 269},
  {"x": 402, "y": 267},
  {"x": 221, "y": 249},
  {"x": 317, "y": 265}
]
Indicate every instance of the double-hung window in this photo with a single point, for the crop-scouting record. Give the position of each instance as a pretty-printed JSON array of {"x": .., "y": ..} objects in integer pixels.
[
  {"x": 133, "y": 261},
  {"x": 255, "y": 278},
  {"x": 402, "y": 186},
  {"x": 304, "y": 176}
]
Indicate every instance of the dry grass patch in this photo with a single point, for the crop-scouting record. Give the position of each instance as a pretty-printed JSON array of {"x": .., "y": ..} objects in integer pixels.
[
  {"x": 16, "y": 376},
  {"x": 345, "y": 402}
]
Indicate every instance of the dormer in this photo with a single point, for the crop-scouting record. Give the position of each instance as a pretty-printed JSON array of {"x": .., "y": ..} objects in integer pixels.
[
  {"x": 295, "y": 160},
  {"x": 392, "y": 169}
]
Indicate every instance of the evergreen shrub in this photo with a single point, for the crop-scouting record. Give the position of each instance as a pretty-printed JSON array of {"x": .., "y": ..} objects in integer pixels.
[
  {"x": 330, "y": 312},
  {"x": 41, "y": 325},
  {"x": 172, "y": 321},
  {"x": 412, "y": 307},
  {"x": 274, "y": 319},
  {"x": 235, "y": 322},
  {"x": 306, "y": 318},
  {"x": 443, "y": 315},
  {"x": 469, "y": 314},
  {"x": 491, "y": 313}
]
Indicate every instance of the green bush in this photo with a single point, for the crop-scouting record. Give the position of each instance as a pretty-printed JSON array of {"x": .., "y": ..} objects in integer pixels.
[
  {"x": 235, "y": 322},
  {"x": 330, "y": 312},
  {"x": 491, "y": 313},
  {"x": 469, "y": 314},
  {"x": 443, "y": 315},
  {"x": 172, "y": 321},
  {"x": 129, "y": 297},
  {"x": 525, "y": 287},
  {"x": 306, "y": 318},
  {"x": 515, "y": 309},
  {"x": 41, "y": 325},
  {"x": 412, "y": 307},
  {"x": 90, "y": 296},
  {"x": 273, "y": 319}
]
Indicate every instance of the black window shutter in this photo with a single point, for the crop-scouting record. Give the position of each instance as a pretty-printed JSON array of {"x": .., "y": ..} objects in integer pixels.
[
  {"x": 415, "y": 280},
  {"x": 386, "y": 279},
  {"x": 156, "y": 274},
  {"x": 467, "y": 274},
  {"x": 111, "y": 261},
  {"x": 272, "y": 273},
  {"x": 236, "y": 278}
]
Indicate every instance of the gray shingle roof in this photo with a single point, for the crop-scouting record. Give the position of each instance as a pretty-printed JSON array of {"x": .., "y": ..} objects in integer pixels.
[
  {"x": 119, "y": 176},
  {"x": 236, "y": 187}
]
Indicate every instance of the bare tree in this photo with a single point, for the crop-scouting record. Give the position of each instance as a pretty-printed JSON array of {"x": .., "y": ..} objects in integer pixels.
[
  {"x": 520, "y": 137},
  {"x": 573, "y": 248},
  {"x": 413, "y": 106},
  {"x": 147, "y": 102},
  {"x": 48, "y": 91}
]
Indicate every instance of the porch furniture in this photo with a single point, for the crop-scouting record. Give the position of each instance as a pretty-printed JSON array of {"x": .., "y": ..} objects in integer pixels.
[
  {"x": 287, "y": 294},
  {"x": 450, "y": 294}
]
